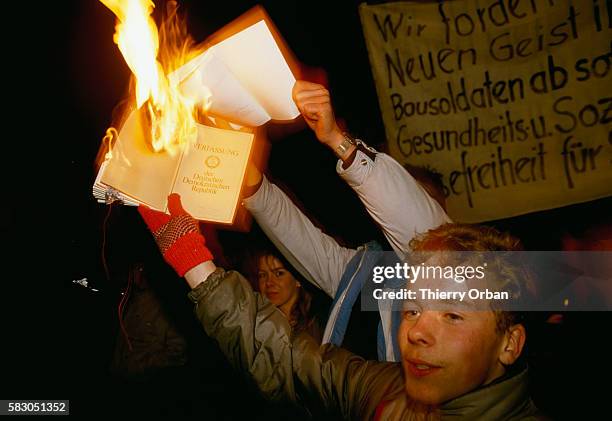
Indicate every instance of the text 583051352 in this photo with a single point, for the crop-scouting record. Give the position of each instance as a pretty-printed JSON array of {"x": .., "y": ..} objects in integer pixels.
[{"x": 34, "y": 407}]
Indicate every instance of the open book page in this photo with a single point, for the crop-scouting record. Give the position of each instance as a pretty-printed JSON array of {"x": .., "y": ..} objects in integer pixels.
[
  {"x": 247, "y": 75},
  {"x": 136, "y": 170},
  {"x": 207, "y": 79},
  {"x": 254, "y": 58},
  {"x": 210, "y": 174}
]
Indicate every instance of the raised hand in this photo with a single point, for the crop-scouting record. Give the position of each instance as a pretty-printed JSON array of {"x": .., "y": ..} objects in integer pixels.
[
  {"x": 314, "y": 103},
  {"x": 177, "y": 235}
]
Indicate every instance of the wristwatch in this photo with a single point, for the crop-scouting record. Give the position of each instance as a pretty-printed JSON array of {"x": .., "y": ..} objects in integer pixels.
[{"x": 343, "y": 147}]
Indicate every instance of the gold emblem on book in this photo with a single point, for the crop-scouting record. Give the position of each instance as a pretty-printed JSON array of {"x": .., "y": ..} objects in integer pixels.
[{"x": 212, "y": 161}]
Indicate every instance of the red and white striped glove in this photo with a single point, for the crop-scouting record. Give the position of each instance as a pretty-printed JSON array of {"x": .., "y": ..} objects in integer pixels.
[{"x": 177, "y": 235}]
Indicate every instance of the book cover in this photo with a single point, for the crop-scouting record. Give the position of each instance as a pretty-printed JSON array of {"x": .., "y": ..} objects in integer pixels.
[{"x": 208, "y": 173}]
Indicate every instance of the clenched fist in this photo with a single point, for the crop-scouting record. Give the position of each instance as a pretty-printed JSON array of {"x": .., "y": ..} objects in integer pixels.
[{"x": 314, "y": 103}]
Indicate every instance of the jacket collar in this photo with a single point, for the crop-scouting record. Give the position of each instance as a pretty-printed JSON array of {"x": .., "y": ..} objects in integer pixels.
[{"x": 505, "y": 398}]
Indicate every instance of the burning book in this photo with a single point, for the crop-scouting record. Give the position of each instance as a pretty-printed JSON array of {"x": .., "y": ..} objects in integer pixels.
[{"x": 241, "y": 75}]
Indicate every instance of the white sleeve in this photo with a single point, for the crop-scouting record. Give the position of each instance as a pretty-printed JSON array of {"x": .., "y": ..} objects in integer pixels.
[
  {"x": 394, "y": 199},
  {"x": 317, "y": 256}
]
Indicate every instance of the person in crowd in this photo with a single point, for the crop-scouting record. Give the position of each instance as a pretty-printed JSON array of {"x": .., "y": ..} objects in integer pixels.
[
  {"x": 455, "y": 361},
  {"x": 274, "y": 278},
  {"x": 396, "y": 201},
  {"x": 430, "y": 180},
  {"x": 148, "y": 340}
]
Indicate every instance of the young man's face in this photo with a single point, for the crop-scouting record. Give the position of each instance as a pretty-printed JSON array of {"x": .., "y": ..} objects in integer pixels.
[{"x": 446, "y": 353}]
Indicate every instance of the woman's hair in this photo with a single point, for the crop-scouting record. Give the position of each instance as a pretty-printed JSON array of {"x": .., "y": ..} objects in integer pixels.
[{"x": 299, "y": 318}]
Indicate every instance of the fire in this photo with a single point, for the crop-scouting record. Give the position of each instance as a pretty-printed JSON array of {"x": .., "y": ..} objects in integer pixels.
[{"x": 170, "y": 113}]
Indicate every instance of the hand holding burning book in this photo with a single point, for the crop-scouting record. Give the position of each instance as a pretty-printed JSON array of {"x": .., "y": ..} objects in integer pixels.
[{"x": 240, "y": 75}]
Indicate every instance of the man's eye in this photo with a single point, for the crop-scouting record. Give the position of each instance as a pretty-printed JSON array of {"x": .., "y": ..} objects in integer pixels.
[
  {"x": 453, "y": 317},
  {"x": 261, "y": 275},
  {"x": 411, "y": 314},
  {"x": 279, "y": 273}
]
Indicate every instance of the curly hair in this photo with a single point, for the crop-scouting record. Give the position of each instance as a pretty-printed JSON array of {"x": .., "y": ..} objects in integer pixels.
[{"x": 466, "y": 237}]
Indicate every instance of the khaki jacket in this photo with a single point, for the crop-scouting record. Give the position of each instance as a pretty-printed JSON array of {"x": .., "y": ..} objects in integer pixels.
[{"x": 256, "y": 338}]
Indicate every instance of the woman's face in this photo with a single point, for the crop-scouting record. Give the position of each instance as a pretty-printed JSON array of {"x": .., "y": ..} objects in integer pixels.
[{"x": 277, "y": 283}]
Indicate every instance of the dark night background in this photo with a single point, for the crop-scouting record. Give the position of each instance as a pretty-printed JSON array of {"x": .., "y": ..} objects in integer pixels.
[{"x": 58, "y": 337}]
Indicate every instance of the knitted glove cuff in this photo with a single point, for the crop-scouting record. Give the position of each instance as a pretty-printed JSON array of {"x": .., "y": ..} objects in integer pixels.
[{"x": 186, "y": 252}]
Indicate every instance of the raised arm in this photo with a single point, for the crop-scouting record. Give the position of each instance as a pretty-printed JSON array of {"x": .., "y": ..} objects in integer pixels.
[
  {"x": 316, "y": 255},
  {"x": 251, "y": 332},
  {"x": 393, "y": 198},
  {"x": 256, "y": 337},
  {"x": 340, "y": 382}
]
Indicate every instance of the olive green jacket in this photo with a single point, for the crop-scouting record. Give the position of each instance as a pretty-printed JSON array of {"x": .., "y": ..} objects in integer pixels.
[{"x": 256, "y": 338}]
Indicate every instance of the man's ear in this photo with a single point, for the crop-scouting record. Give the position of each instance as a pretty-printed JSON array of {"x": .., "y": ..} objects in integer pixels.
[{"x": 514, "y": 340}]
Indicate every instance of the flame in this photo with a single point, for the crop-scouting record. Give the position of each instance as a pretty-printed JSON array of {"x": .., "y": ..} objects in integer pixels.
[
  {"x": 108, "y": 139},
  {"x": 170, "y": 113}
]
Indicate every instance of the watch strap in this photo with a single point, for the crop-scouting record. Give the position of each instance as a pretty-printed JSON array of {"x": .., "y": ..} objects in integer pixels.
[{"x": 346, "y": 143}]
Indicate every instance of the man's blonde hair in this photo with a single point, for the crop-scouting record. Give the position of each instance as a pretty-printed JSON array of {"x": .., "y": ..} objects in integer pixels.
[{"x": 480, "y": 238}]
